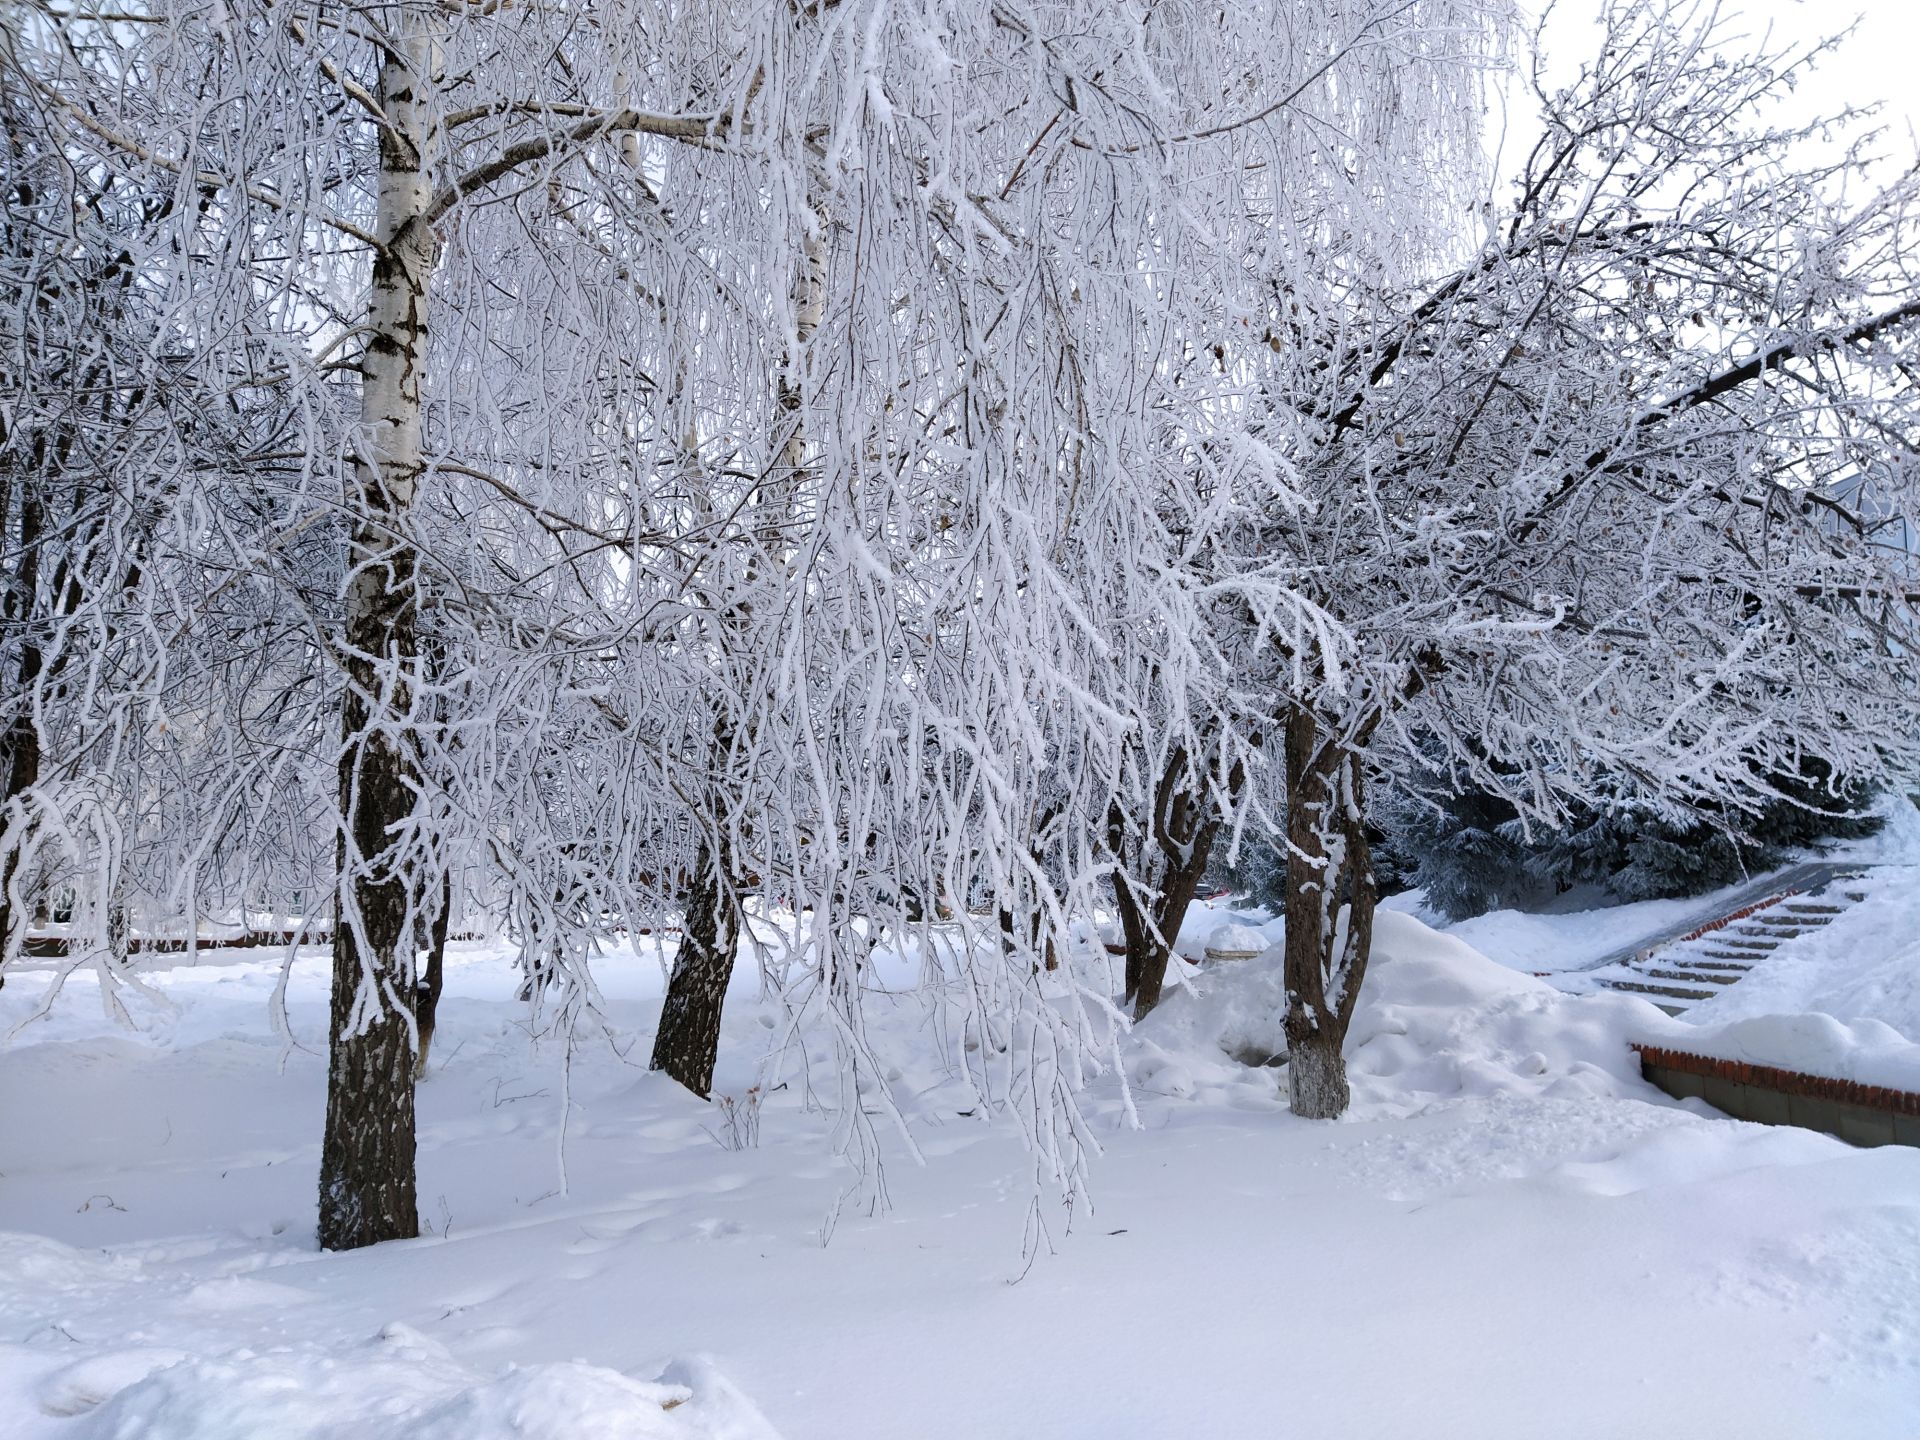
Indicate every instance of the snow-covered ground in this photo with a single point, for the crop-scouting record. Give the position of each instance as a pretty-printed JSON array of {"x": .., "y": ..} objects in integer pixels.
[{"x": 1510, "y": 1236}]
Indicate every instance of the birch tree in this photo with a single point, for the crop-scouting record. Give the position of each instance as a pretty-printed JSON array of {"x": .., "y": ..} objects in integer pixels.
[
  {"x": 338, "y": 154},
  {"x": 786, "y": 426}
]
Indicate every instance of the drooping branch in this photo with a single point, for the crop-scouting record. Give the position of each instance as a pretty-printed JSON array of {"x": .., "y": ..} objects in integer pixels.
[{"x": 695, "y": 129}]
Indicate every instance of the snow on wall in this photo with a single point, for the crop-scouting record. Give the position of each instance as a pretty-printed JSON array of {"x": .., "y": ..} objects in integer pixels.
[{"x": 1865, "y": 1052}]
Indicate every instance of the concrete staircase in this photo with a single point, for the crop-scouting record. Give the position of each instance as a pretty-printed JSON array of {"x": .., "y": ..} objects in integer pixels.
[{"x": 1679, "y": 972}]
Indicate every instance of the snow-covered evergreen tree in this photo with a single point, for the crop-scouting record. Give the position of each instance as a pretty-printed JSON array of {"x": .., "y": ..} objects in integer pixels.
[{"x": 1471, "y": 851}]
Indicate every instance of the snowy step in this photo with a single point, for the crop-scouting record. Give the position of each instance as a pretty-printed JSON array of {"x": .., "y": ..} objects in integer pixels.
[
  {"x": 1687, "y": 966},
  {"x": 1698, "y": 977},
  {"x": 1672, "y": 991}
]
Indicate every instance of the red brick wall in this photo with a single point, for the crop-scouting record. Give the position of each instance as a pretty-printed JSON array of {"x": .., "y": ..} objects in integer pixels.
[{"x": 1786, "y": 1082}]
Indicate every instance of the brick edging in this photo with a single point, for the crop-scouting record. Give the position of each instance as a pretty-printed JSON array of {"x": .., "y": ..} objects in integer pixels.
[{"x": 1785, "y": 1082}]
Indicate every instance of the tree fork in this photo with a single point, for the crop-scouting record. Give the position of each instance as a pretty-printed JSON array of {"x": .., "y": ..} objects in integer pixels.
[
  {"x": 1176, "y": 898},
  {"x": 1186, "y": 822}
]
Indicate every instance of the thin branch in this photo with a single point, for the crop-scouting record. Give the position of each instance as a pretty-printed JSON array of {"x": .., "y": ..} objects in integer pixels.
[{"x": 200, "y": 177}]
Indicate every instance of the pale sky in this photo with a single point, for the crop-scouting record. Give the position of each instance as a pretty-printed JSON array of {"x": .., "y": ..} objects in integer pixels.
[
  {"x": 1880, "y": 63},
  {"x": 1877, "y": 64}
]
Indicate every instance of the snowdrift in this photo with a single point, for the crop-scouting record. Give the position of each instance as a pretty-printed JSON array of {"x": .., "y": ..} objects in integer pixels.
[
  {"x": 400, "y": 1385},
  {"x": 1437, "y": 1020}
]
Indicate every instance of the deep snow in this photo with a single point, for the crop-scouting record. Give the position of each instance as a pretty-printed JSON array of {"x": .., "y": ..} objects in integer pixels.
[{"x": 1510, "y": 1236}]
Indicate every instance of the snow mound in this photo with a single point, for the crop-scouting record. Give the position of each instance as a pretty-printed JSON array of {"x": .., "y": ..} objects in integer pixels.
[
  {"x": 1237, "y": 940},
  {"x": 29, "y": 1262},
  {"x": 77, "y": 1388},
  {"x": 1886, "y": 989},
  {"x": 1437, "y": 1020},
  {"x": 402, "y": 1386},
  {"x": 1205, "y": 918},
  {"x": 1866, "y": 1052}
]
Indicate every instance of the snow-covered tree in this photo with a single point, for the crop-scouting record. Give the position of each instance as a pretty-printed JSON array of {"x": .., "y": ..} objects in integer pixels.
[
  {"x": 1574, "y": 509},
  {"x": 366, "y": 170},
  {"x": 125, "y": 429},
  {"x": 962, "y": 458},
  {"x": 731, "y": 449},
  {"x": 1471, "y": 851}
]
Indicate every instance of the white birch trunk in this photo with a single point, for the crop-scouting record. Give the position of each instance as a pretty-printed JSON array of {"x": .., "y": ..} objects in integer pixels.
[{"x": 367, "y": 1191}]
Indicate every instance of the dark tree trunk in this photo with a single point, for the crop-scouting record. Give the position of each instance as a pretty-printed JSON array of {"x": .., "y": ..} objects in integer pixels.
[
  {"x": 1049, "y": 957},
  {"x": 22, "y": 737},
  {"x": 1176, "y": 897},
  {"x": 1330, "y": 903},
  {"x": 1133, "y": 931},
  {"x": 687, "y": 1044},
  {"x": 23, "y": 772},
  {"x": 1185, "y": 822},
  {"x": 688, "y": 1041},
  {"x": 367, "y": 1150},
  {"x": 426, "y": 994},
  {"x": 1036, "y": 926},
  {"x": 117, "y": 941},
  {"x": 1133, "y": 924}
]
